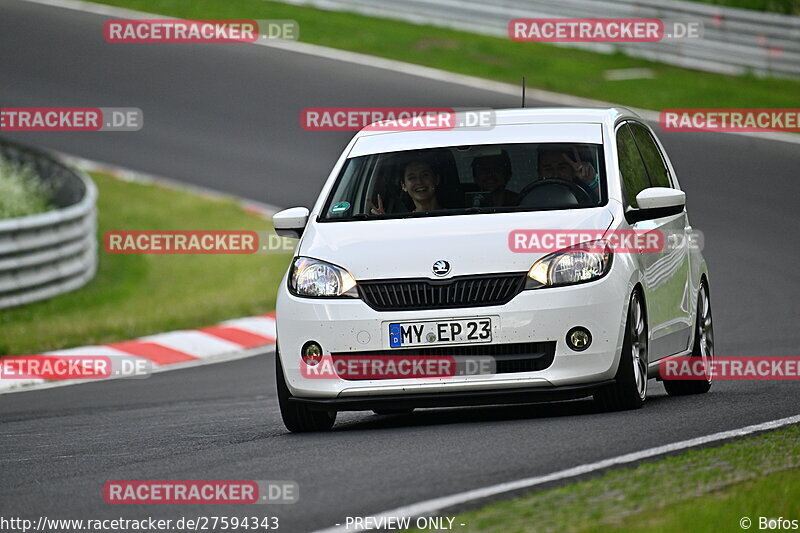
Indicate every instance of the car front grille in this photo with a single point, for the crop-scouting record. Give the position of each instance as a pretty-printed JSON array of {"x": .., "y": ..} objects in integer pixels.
[
  {"x": 464, "y": 291},
  {"x": 508, "y": 358}
]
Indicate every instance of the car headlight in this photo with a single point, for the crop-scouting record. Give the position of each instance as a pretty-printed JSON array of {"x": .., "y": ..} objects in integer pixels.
[
  {"x": 318, "y": 279},
  {"x": 577, "y": 264}
]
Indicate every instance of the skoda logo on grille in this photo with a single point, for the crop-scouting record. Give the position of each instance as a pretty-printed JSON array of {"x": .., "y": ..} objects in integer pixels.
[{"x": 441, "y": 267}]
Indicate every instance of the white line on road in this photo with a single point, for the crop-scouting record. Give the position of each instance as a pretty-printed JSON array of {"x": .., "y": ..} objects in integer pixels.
[{"x": 436, "y": 505}]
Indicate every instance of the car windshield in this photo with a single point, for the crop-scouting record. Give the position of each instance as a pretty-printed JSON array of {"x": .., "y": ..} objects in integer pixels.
[{"x": 468, "y": 179}]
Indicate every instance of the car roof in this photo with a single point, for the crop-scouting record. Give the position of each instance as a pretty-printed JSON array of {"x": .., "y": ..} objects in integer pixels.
[
  {"x": 533, "y": 125},
  {"x": 535, "y": 115}
]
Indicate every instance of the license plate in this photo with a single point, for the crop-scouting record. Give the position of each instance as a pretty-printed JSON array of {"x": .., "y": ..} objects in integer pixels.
[{"x": 427, "y": 333}]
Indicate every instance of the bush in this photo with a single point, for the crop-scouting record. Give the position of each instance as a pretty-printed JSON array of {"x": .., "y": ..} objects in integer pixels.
[
  {"x": 786, "y": 7},
  {"x": 22, "y": 193}
]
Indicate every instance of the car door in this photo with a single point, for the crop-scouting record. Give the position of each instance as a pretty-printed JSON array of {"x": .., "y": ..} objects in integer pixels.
[
  {"x": 665, "y": 272},
  {"x": 674, "y": 290}
]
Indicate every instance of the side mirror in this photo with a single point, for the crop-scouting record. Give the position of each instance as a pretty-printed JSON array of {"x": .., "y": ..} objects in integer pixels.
[
  {"x": 290, "y": 222},
  {"x": 656, "y": 202}
]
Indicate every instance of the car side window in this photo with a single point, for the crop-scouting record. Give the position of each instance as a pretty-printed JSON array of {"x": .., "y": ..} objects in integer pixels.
[
  {"x": 653, "y": 160},
  {"x": 631, "y": 166}
]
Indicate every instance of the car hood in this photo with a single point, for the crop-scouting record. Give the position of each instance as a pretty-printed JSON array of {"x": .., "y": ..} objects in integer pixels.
[{"x": 407, "y": 248}]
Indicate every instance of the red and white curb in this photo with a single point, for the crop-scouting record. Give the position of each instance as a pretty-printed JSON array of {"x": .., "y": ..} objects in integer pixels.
[{"x": 226, "y": 341}]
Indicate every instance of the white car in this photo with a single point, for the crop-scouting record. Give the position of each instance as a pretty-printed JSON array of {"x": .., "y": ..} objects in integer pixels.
[{"x": 411, "y": 253}]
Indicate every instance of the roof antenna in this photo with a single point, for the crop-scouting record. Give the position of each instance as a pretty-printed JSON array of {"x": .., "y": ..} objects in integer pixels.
[{"x": 523, "y": 91}]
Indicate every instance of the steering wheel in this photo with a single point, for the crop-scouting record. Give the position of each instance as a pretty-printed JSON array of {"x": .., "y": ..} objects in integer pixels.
[{"x": 550, "y": 193}]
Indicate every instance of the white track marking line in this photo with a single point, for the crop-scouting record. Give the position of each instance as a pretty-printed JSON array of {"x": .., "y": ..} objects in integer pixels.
[
  {"x": 405, "y": 68},
  {"x": 18, "y": 385},
  {"x": 435, "y": 505}
]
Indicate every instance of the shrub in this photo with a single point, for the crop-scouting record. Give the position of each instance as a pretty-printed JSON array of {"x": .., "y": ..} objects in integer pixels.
[{"x": 22, "y": 193}]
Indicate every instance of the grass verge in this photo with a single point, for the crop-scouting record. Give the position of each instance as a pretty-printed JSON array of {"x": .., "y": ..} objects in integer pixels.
[
  {"x": 703, "y": 490},
  {"x": 135, "y": 295},
  {"x": 553, "y": 68}
]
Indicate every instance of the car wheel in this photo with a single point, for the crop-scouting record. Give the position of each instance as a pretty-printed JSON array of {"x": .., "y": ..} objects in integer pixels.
[
  {"x": 299, "y": 418},
  {"x": 393, "y": 411},
  {"x": 630, "y": 388},
  {"x": 703, "y": 348}
]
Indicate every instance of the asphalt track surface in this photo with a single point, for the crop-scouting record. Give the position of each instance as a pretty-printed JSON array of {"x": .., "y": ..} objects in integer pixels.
[{"x": 227, "y": 117}]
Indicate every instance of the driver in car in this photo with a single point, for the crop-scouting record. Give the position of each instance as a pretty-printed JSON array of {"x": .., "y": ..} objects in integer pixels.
[{"x": 558, "y": 163}]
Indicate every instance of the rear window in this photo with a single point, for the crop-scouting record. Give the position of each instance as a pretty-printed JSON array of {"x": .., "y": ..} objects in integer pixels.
[{"x": 468, "y": 179}]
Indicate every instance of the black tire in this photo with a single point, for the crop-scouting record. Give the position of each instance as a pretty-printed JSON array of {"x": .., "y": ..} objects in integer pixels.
[
  {"x": 298, "y": 418},
  {"x": 630, "y": 388},
  {"x": 703, "y": 348},
  {"x": 406, "y": 411}
]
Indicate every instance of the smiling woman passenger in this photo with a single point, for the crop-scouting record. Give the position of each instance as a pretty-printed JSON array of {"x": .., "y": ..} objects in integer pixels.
[{"x": 420, "y": 182}]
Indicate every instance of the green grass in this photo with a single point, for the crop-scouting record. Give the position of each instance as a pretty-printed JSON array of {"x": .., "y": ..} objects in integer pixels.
[
  {"x": 135, "y": 295},
  {"x": 770, "y": 496},
  {"x": 702, "y": 490},
  {"x": 785, "y": 7},
  {"x": 548, "y": 67},
  {"x": 22, "y": 193}
]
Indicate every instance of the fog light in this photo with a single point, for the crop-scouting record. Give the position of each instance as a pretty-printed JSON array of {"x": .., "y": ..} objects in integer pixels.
[
  {"x": 579, "y": 339},
  {"x": 311, "y": 354}
]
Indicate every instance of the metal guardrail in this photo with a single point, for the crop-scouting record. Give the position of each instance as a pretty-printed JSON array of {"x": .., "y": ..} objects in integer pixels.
[
  {"x": 47, "y": 254},
  {"x": 735, "y": 41}
]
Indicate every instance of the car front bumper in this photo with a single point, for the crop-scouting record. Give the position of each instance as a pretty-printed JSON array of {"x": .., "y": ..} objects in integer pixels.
[
  {"x": 451, "y": 398},
  {"x": 542, "y": 315}
]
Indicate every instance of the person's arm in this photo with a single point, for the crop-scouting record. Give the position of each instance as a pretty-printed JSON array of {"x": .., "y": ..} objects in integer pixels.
[{"x": 585, "y": 174}]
